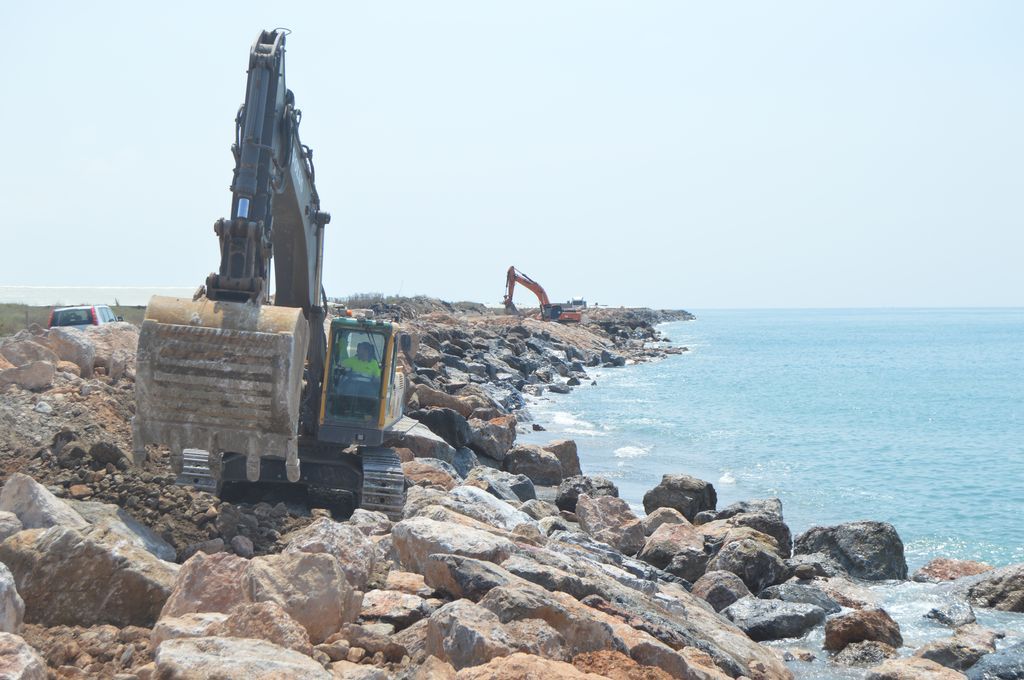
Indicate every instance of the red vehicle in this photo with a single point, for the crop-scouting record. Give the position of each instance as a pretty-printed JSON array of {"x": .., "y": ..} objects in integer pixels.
[{"x": 564, "y": 313}]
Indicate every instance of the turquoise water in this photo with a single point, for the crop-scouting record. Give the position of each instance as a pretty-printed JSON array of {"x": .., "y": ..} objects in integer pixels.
[{"x": 915, "y": 417}]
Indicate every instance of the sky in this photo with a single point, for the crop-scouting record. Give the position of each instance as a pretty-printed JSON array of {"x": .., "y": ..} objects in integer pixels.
[{"x": 665, "y": 154}]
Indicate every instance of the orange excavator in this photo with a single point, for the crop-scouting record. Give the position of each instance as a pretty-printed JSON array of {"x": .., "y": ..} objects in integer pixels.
[{"x": 564, "y": 313}]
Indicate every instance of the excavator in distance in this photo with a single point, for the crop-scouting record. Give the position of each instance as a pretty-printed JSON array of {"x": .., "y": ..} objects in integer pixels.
[
  {"x": 564, "y": 313},
  {"x": 243, "y": 386}
]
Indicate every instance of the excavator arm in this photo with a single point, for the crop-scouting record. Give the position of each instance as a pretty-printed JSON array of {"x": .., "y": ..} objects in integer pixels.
[
  {"x": 225, "y": 371},
  {"x": 515, "y": 276}
]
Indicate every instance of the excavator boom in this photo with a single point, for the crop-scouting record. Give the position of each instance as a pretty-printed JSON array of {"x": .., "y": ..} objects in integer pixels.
[{"x": 548, "y": 311}]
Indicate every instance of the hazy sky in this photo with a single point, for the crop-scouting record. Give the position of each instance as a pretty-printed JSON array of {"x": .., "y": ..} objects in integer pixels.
[{"x": 673, "y": 154}]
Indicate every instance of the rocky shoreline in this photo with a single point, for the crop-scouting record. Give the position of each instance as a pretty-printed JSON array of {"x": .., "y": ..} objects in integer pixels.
[{"x": 509, "y": 560}]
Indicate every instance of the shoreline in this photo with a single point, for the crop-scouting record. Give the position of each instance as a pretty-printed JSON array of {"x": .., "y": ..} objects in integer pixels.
[{"x": 504, "y": 543}]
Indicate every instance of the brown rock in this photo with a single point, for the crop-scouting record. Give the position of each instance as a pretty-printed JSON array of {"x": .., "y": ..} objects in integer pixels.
[
  {"x": 209, "y": 583},
  {"x": 720, "y": 589},
  {"x": 610, "y": 520},
  {"x": 23, "y": 349},
  {"x": 57, "y": 571},
  {"x": 264, "y": 621},
  {"x": 864, "y": 624},
  {"x": 408, "y": 582},
  {"x": 523, "y": 667},
  {"x": 37, "y": 375},
  {"x": 18, "y": 660},
  {"x": 668, "y": 540},
  {"x": 662, "y": 516},
  {"x": 616, "y": 666},
  {"x": 913, "y": 668},
  {"x": 864, "y": 653},
  {"x": 945, "y": 569},
  {"x": 542, "y": 467},
  {"x": 492, "y": 438},
  {"x": 420, "y": 473},
  {"x": 568, "y": 457},
  {"x": 355, "y": 553},
  {"x": 961, "y": 651},
  {"x": 417, "y": 538},
  {"x": 196, "y": 624}
]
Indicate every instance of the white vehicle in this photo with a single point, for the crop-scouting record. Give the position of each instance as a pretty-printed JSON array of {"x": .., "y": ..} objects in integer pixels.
[{"x": 77, "y": 317}]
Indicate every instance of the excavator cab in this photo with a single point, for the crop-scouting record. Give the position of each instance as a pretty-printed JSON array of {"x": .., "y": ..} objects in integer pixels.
[{"x": 362, "y": 388}]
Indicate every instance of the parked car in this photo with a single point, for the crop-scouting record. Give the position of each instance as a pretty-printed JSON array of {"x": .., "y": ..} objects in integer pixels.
[{"x": 94, "y": 315}]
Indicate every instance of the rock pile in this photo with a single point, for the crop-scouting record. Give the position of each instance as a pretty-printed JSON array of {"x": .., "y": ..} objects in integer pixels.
[{"x": 507, "y": 562}]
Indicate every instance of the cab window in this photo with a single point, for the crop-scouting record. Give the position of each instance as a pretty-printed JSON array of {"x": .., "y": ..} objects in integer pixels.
[{"x": 353, "y": 386}]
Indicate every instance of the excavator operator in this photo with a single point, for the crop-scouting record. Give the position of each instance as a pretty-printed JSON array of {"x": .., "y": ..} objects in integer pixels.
[{"x": 363, "y": 362}]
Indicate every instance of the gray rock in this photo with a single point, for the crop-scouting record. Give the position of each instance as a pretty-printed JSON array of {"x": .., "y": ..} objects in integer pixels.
[
  {"x": 720, "y": 589},
  {"x": 1001, "y": 589},
  {"x": 18, "y": 661},
  {"x": 541, "y": 466},
  {"x": 570, "y": 488},
  {"x": 864, "y": 653},
  {"x": 794, "y": 592},
  {"x": 538, "y": 509},
  {"x": 36, "y": 507},
  {"x": 954, "y": 614},
  {"x": 114, "y": 525},
  {"x": 773, "y": 619},
  {"x": 446, "y": 423},
  {"x": 752, "y": 561},
  {"x": 1005, "y": 664},
  {"x": 504, "y": 485},
  {"x": 869, "y": 550},
  {"x": 205, "y": 658},
  {"x": 9, "y": 524},
  {"x": 686, "y": 494},
  {"x": 464, "y": 461},
  {"x": 73, "y": 345},
  {"x": 12, "y": 607}
]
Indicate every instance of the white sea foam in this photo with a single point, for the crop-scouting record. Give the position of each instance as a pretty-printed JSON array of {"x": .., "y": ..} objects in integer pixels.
[
  {"x": 632, "y": 451},
  {"x": 727, "y": 478}
]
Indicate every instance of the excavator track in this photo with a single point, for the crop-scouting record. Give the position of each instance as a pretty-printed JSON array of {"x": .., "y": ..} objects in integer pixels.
[{"x": 383, "y": 483}]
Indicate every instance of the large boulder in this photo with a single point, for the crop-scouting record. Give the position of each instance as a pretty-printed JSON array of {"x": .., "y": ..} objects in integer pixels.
[
  {"x": 859, "y": 625},
  {"x": 311, "y": 587},
  {"x": 773, "y": 619},
  {"x": 684, "y": 493},
  {"x": 720, "y": 589},
  {"x": 492, "y": 438},
  {"x": 753, "y": 561},
  {"x": 542, "y": 467},
  {"x": 659, "y": 517},
  {"x": 115, "y": 345},
  {"x": 24, "y": 348},
  {"x": 568, "y": 456},
  {"x": 447, "y": 423},
  {"x": 427, "y": 397},
  {"x": 609, "y": 519},
  {"x": 961, "y": 651},
  {"x": 57, "y": 571},
  {"x": 215, "y": 658},
  {"x": 420, "y": 472},
  {"x": 670, "y": 540},
  {"x": 35, "y": 506},
  {"x": 417, "y": 538},
  {"x": 75, "y": 346},
  {"x": 503, "y": 485},
  {"x": 795, "y": 592},
  {"x": 209, "y": 583},
  {"x": 394, "y": 607},
  {"x": 1001, "y": 589},
  {"x": 12, "y": 607},
  {"x": 37, "y": 375},
  {"x": 869, "y": 550},
  {"x": 954, "y": 614},
  {"x": 263, "y": 621},
  {"x": 18, "y": 661},
  {"x": 356, "y": 554},
  {"x": 466, "y": 634},
  {"x": 480, "y": 505},
  {"x": 193, "y": 625},
  {"x": 419, "y": 439},
  {"x": 113, "y": 525},
  {"x": 9, "y": 525},
  {"x": 570, "y": 488}
]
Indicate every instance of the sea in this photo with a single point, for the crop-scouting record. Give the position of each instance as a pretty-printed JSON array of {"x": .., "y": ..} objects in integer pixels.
[{"x": 909, "y": 416}]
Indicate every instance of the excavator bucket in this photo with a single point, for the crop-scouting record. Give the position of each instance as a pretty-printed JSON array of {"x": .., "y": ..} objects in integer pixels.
[{"x": 220, "y": 376}]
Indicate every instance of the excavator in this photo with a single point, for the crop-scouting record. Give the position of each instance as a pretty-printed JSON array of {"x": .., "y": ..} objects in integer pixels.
[
  {"x": 567, "y": 313},
  {"x": 246, "y": 386}
]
